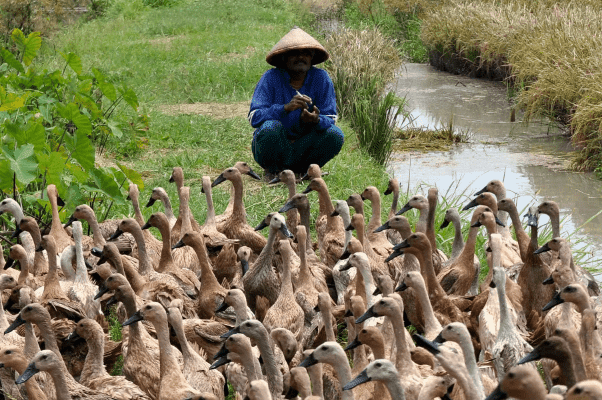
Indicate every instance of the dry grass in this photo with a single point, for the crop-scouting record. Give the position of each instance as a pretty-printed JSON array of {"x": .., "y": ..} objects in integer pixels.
[
  {"x": 426, "y": 140},
  {"x": 553, "y": 52}
]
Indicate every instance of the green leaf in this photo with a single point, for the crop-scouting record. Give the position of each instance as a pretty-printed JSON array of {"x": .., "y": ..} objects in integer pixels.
[
  {"x": 11, "y": 60},
  {"x": 23, "y": 163},
  {"x": 83, "y": 124},
  {"x": 19, "y": 38},
  {"x": 108, "y": 89},
  {"x": 114, "y": 126},
  {"x": 130, "y": 97},
  {"x": 74, "y": 62},
  {"x": 35, "y": 134},
  {"x": 82, "y": 150},
  {"x": 106, "y": 184},
  {"x": 69, "y": 111},
  {"x": 53, "y": 165},
  {"x": 6, "y": 176},
  {"x": 13, "y": 101},
  {"x": 132, "y": 175},
  {"x": 78, "y": 173},
  {"x": 31, "y": 46}
]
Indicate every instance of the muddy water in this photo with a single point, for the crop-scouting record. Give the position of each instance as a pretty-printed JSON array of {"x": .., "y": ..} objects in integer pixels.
[{"x": 531, "y": 160}]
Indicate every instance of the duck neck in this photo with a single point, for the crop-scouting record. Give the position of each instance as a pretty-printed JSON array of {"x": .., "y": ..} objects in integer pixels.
[
  {"x": 129, "y": 303},
  {"x": 52, "y": 286},
  {"x": 208, "y": 278},
  {"x": 32, "y": 347},
  {"x": 137, "y": 282},
  {"x": 431, "y": 324},
  {"x": 458, "y": 244},
  {"x": 315, "y": 375},
  {"x": 137, "y": 212},
  {"x": 304, "y": 272},
  {"x": 176, "y": 323},
  {"x": 565, "y": 362},
  {"x": 364, "y": 270},
  {"x": 430, "y": 223},
  {"x": 99, "y": 240},
  {"x": 238, "y": 208},
  {"x": 267, "y": 253},
  {"x": 327, "y": 320},
  {"x": 167, "y": 205},
  {"x": 185, "y": 211},
  {"x": 421, "y": 225},
  {"x": 304, "y": 219},
  {"x": 555, "y": 222},
  {"x": 266, "y": 348},
  {"x": 471, "y": 363},
  {"x": 210, "y": 221},
  {"x": 466, "y": 257},
  {"x": 168, "y": 364},
  {"x": 506, "y": 324},
  {"x": 325, "y": 202},
  {"x": 395, "y": 202},
  {"x": 375, "y": 218},
  {"x": 56, "y": 227},
  {"x": 166, "y": 256},
  {"x": 395, "y": 389},
  {"x": 47, "y": 334},
  {"x": 94, "y": 366},
  {"x": 343, "y": 371},
  {"x": 521, "y": 235},
  {"x": 292, "y": 189},
  {"x": 144, "y": 267},
  {"x": 81, "y": 272},
  {"x": 24, "y": 274},
  {"x": 60, "y": 383},
  {"x": 434, "y": 288},
  {"x": 378, "y": 349},
  {"x": 360, "y": 289},
  {"x": 403, "y": 359},
  {"x": 32, "y": 388}
]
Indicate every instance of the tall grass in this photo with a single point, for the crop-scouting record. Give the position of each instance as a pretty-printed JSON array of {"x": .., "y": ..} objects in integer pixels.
[
  {"x": 363, "y": 61},
  {"x": 551, "y": 53}
]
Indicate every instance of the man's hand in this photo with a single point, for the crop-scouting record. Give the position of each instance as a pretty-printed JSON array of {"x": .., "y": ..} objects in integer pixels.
[
  {"x": 298, "y": 101},
  {"x": 310, "y": 117}
]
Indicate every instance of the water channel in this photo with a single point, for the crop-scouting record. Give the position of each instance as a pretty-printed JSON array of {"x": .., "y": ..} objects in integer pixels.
[{"x": 530, "y": 159}]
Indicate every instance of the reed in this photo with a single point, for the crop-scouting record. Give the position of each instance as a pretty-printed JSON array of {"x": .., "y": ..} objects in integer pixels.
[{"x": 544, "y": 48}]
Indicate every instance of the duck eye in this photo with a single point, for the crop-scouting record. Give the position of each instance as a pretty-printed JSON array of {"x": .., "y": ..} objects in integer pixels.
[
  {"x": 511, "y": 375},
  {"x": 9, "y": 352}
]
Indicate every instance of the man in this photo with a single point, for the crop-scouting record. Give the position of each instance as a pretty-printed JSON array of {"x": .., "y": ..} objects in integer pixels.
[{"x": 294, "y": 108}]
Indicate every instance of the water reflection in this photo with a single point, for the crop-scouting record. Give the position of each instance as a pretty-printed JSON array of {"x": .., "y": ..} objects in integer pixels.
[{"x": 531, "y": 160}]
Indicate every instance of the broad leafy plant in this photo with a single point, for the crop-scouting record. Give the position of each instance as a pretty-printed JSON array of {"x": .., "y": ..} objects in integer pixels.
[{"x": 51, "y": 123}]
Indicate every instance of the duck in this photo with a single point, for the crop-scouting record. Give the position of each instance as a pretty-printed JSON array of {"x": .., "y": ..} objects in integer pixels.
[
  {"x": 159, "y": 193},
  {"x": 58, "y": 233},
  {"x": 380, "y": 370},
  {"x": 180, "y": 267},
  {"x": 177, "y": 177},
  {"x": 557, "y": 349},
  {"x": 330, "y": 229},
  {"x": 13, "y": 357},
  {"x": 509, "y": 346},
  {"x": 378, "y": 239},
  {"x": 65, "y": 386},
  {"x": 288, "y": 178},
  {"x": 18, "y": 254},
  {"x": 236, "y": 226},
  {"x": 393, "y": 187},
  {"x": 355, "y": 201},
  {"x": 196, "y": 368},
  {"x": 11, "y": 206},
  {"x": 245, "y": 169},
  {"x": 94, "y": 374},
  {"x": 238, "y": 348},
  {"x": 306, "y": 282},
  {"x": 40, "y": 259},
  {"x": 285, "y": 312},
  {"x": 498, "y": 189},
  {"x": 261, "y": 280},
  {"x": 590, "y": 390},
  {"x": 520, "y": 382},
  {"x": 172, "y": 383},
  {"x": 375, "y": 255}
]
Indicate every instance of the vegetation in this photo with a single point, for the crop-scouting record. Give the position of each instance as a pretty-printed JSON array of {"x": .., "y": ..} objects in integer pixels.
[
  {"x": 546, "y": 51},
  {"x": 425, "y": 140}
]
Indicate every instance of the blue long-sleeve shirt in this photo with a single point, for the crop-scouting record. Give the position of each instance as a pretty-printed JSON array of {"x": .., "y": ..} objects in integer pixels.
[{"x": 274, "y": 91}]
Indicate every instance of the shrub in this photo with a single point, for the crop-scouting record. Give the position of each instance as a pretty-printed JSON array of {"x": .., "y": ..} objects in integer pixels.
[{"x": 51, "y": 121}]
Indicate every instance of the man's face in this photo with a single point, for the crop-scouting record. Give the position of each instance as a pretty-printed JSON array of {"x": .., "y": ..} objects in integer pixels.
[{"x": 299, "y": 60}]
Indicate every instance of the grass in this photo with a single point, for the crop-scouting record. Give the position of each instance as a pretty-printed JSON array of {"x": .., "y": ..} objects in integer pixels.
[
  {"x": 547, "y": 51},
  {"x": 426, "y": 140}
]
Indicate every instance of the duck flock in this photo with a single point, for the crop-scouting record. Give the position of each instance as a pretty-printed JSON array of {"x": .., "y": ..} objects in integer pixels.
[{"x": 215, "y": 308}]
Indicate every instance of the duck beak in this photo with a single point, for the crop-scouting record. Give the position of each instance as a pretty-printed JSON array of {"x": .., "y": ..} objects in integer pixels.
[
  {"x": 481, "y": 191},
  {"x": 96, "y": 252},
  {"x": 376, "y": 292},
  {"x": 405, "y": 208},
  {"x": 348, "y": 314},
  {"x": 70, "y": 221},
  {"x": 383, "y": 227},
  {"x": 305, "y": 177},
  {"x": 287, "y": 206},
  {"x": 477, "y": 224},
  {"x": 89, "y": 266},
  {"x": 60, "y": 202},
  {"x": 17, "y": 232},
  {"x": 171, "y": 179},
  {"x": 439, "y": 338},
  {"x": 423, "y": 342},
  {"x": 368, "y": 314},
  {"x": 401, "y": 287},
  {"x": 444, "y": 224},
  {"x": 307, "y": 190},
  {"x": 532, "y": 220},
  {"x": 500, "y": 223},
  {"x": 549, "y": 280},
  {"x": 9, "y": 263},
  {"x": 492, "y": 284},
  {"x": 554, "y": 302},
  {"x": 396, "y": 253},
  {"x": 117, "y": 233},
  {"x": 230, "y": 333},
  {"x": 497, "y": 394},
  {"x": 223, "y": 351},
  {"x": 335, "y": 213},
  {"x": 358, "y": 380},
  {"x": 151, "y": 201},
  {"x": 284, "y": 230},
  {"x": 102, "y": 290},
  {"x": 134, "y": 318},
  {"x": 542, "y": 249},
  {"x": 72, "y": 336},
  {"x": 309, "y": 361},
  {"x": 253, "y": 175},
  {"x": 16, "y": 323},
  {"x": 291, "y": 393},
  {"x": 146, "y": 226},
  {"x": 178, "y": 245},
  {"x": 353, "y": 345},
  {"x": 388, "y": 192},
  {"x": 28, "y": 373},
  {"x": 532, "y": 356},
  {"x": 112, "y": 300},
  {"x": 349, "y": 227},
  {"x": 245, "y": 266},
  {"x": 470, "y": 205},
  {"x": 345, "y": 255},
  {"x": 275, "y": 180},
  {"x": 261, "y": 225},
  {"x": 219, "y": 363},
  {"x": 402, "y": 245},
  {"x": 40, "y": 248},
  {"x": 218, "y": 180},
  {"x": 345, "y": 266},
  {"x": 223, "y": 307}
]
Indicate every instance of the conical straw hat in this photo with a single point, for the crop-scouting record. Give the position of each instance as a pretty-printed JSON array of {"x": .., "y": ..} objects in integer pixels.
[{"x": 296, "y": 39}]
